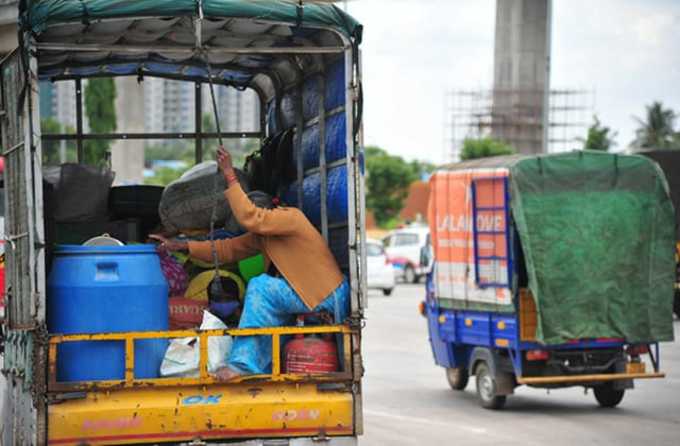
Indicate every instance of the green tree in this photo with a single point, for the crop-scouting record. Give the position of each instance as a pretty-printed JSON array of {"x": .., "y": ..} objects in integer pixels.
[
  {"x": 100, "y": 96},
  {"x": 484, "y": 147},
  {"x": 599, "y": 137},
  {"x": 421, "y": 168},
  {"x": 388, "y": 179},
  {"x": 657, "y": 130},
  {"x": 239, "y": 148},
  {"x": 209, "y": 145},
  {"x": 164, "y": 176},
  {"x": 179, "y": 150},
  {"x": 51, "y": 150}
]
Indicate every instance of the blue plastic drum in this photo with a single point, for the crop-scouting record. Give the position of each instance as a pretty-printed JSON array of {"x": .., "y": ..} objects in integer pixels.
[{"x": 107, "y": 289}]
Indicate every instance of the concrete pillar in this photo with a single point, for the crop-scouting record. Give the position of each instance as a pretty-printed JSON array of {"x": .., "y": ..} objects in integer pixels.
[
  {"x": 8, "y": 38},
  {"x": 9, "y": 11},
  {"x": 522, "y": 74},
  {"x": 127, "y": 156}
]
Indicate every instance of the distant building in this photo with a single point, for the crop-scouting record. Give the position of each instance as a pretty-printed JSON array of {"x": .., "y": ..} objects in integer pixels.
[
  {"x": 153, "y": 104},
  {"x": 239, "y": 110},
  {"x": 415, "y": 206},
  {"x": 170, "y": 107},
  {"x": 58, "y": 101}
]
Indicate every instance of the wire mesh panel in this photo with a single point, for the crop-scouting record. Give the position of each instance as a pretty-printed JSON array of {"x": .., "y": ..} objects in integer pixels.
[
  {"x": 17, "y": 193},
  {"x": 491, "y": 232},
  {"x": 24, "y": 312}
]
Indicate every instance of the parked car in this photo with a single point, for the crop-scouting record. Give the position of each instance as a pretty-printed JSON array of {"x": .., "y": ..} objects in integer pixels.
[
  {"x": 408, "y": 249},
  {"x": 380, "y": 272}
]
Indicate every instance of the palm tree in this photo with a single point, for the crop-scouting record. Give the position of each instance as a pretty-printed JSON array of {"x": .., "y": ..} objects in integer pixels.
[
  {"x": 657, "y": 131},
  {"x": 600, "y": 137}
]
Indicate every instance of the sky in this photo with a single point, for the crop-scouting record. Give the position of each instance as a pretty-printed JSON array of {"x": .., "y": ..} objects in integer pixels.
[{"x": 625, "y": 52}]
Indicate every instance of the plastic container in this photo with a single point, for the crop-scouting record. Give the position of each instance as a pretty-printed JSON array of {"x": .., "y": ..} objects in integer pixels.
[
  {"x": 103, "y": 240},
  {"x": 251, "y": 267},
  {"x": 107, "y": 289},
  {"x": 198, "y": 286}
]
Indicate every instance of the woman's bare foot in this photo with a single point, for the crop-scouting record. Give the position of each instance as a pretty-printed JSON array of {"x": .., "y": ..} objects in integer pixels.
[{"x": 226, "y": 374}]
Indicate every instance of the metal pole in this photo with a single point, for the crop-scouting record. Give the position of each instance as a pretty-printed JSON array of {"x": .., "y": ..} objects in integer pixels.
[
  {"x": 323, "y": 168},
  {"x": 546, "y": 84},
  {"x": 264, "y": 130},
  {"x": 79, "y": 121},
  {"x": 198, "y": 92},
  {"x": 299, "y": 129},
  {"x": 145, "y": 49}
]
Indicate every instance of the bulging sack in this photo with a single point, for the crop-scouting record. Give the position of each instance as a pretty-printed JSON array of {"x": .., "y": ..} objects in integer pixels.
[
  {"x": 185, "y": 313},
  {"x": 71, "y": 204},
  {"x": 259, "y": 199},
  {"x": 187, "y": 203}
]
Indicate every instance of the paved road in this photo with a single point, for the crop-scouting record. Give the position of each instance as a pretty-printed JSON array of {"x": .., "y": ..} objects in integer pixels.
[{"x": 408, "y": 402}]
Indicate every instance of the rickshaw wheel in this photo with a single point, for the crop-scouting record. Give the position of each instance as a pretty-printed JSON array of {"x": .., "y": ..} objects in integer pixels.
[{"x": 608, "y": 396}]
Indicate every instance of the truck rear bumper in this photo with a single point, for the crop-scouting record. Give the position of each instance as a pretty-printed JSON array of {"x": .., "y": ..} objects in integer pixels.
[
  {"x": 316, "y": 441},
  {"x": 575, "y": 379},
  {"x": 250, "y": 412}
]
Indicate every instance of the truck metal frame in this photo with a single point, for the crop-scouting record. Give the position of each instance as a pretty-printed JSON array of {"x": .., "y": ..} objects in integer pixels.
[{"x": 327, "y": 409}]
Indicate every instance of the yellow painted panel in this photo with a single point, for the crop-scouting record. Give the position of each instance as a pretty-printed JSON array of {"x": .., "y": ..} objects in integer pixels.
[
  {"x": 635, "y": 367},
  {"x": 502, "y": 342},
  {"x": 256, "y": 410},
  {"x": 572, "y": 379},
  {"x": 528, "y": 319}
]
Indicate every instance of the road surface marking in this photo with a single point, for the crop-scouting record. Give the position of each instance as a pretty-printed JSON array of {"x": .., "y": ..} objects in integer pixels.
[{"x": 447, "y": 424}]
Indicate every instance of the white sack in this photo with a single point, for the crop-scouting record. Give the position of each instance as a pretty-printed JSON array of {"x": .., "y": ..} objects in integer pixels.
[{"x": 181, "y": 357}]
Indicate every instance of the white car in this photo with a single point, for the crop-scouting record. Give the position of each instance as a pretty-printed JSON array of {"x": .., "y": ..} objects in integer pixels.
[
  {"x": 409, "y": 250},
  {"x": 380, "y": 272}
]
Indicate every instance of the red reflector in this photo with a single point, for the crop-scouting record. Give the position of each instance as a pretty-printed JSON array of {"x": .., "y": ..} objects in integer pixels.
[
  {"x": 636, "y": 350},
  {"x": 537, "y": 355},
  {"x": 610, "y": 340},
  {"x": 421, "y": 308}
]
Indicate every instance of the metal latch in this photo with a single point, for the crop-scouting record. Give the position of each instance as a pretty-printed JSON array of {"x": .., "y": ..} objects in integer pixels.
[
  {"x": 321, "y": 438},
  {"x": 11, "y": 238}
]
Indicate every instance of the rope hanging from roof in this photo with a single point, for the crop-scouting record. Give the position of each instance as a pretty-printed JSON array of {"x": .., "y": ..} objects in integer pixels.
[{"x": 86, "y": 14}]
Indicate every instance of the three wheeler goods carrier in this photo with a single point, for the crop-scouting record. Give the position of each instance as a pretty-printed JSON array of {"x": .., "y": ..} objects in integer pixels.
[{"x": 551, "y": 271}]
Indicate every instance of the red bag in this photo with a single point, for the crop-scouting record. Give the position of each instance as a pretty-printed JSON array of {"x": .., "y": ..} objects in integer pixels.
[{"x": 185, "y": 313}]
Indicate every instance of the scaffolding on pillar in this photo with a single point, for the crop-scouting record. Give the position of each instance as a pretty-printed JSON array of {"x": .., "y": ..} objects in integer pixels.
[{"x": 516, "y": 118}]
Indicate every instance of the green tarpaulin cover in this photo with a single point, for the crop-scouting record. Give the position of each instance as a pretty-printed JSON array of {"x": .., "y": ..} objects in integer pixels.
[
  {"x": 597, "y": 231},
  {"x": 42, "y": 13}
]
